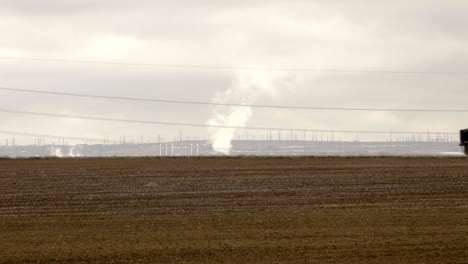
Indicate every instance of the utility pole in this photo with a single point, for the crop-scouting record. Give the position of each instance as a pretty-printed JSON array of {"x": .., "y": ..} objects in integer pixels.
[
  {"x": 124, "y": 143},
  {"x": 16, "y": 148}
]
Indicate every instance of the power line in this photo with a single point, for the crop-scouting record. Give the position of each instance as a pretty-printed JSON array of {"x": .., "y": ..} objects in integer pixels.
[
  {"x": 14, "y": 133},
  {"x": 229, "y": 104},
  {"x": 208, "y": 126},
  {"x": 210, "y": 67}
]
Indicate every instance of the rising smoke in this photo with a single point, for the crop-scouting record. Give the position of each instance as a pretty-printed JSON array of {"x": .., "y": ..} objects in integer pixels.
[
  {"x": 56, "y": 152},
  {"x": 60, "y": 152},
  {"x": 246, "y": 88}
]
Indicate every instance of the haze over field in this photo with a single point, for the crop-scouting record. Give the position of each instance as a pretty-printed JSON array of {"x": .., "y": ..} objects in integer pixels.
[{"x": 413, "y": 36}]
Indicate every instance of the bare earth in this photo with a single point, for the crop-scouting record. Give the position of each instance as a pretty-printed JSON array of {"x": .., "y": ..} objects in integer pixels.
[{"x": 234, "y": 210}]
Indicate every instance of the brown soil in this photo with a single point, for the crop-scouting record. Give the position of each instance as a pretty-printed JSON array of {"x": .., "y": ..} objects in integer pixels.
[{"x": 234, "y": 210}]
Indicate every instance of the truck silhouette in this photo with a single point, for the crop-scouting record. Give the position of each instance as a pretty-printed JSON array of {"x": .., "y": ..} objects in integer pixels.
[{"x": 464, "y": 139}]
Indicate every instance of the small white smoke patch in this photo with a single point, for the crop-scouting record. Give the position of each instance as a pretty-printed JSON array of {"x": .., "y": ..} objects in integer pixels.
[
  {"x": 56, "y": 152},
  {"x": 73, "y": 153}
]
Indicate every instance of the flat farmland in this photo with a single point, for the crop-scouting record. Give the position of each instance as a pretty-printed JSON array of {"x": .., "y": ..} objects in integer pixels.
[{"x": 234, "y": 210}]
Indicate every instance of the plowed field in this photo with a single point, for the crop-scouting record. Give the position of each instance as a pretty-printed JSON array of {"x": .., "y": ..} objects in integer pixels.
[{"x": 234, "y": 210}]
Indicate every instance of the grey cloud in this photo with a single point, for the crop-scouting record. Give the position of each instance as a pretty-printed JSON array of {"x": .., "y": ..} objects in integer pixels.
[{"x": 375, "y": 35}]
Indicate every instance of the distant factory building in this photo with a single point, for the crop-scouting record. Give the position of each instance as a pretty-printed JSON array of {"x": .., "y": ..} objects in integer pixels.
[{"x": 464, "y": 139}]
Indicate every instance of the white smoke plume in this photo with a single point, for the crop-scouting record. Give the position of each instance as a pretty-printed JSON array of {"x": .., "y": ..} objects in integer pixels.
[
  {"x": 70, "y": 153},
  {"x": 56, "y": 152},
  {"x": 246, "y": 88},
  {"x": 73, "y": 153}
]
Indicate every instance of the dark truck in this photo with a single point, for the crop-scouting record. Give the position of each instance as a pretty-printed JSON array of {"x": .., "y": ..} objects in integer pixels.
[{"x": 464, "y": 139}]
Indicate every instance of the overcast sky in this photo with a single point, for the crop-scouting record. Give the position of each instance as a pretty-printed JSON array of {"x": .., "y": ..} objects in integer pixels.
[{"x": 341, "y": 35}]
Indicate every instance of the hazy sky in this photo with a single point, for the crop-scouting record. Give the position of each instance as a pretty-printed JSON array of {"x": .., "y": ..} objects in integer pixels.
[{"x": 343, "y": 35}]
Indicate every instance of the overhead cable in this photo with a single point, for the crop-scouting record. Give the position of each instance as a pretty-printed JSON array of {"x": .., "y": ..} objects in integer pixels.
[
  {"x": 150, "y": 122},
  {"x": 155, "y": 100},
  {"x": 214, "y": 67}
]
